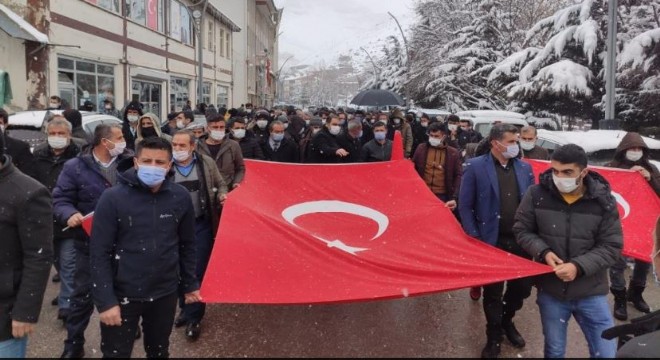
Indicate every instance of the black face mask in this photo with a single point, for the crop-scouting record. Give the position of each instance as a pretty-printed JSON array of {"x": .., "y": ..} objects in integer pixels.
[{"x": 149, "y": 132}]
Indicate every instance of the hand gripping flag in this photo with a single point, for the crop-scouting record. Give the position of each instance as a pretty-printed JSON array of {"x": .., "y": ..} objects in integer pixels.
[
  {"x": 639, "y": 207},
  {"x": 296, "y": 234}
]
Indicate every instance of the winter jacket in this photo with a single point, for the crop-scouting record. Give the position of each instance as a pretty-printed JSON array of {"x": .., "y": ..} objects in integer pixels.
[
  {"x": 467, "y": 137},
  {"x": 20, "y": 153},
  {"x": 632, "y": 140},
  {"x": 46, "y": 169},
  {"x": 586, "y": 233},
  {"x": 537, "y": 153},
  {"x": 214, "y": 186},
  {"x": 479, "y": 195},
  {"x": 296, "y": 128},
  {"x": 306, "y": 146},
  {"x": 140, "y": 248},
  {"x": 324, "y": 148},
  {"x": 287, "y": 152},
  {"x": 353, "y": 146},
  {"x": 419, "y": 135},
  {"x": 453, "y": 168},
  {"x": 250, "y": 148},
  {"x": 26, "y": 233},
  {"x": 126, "y": 125},
  {"x": 80, "y": 186},
  {"x": 229, "y": 160},
  {"x": 373, "y": 151}
]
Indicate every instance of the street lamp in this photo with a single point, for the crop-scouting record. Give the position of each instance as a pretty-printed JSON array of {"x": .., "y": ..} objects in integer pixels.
[
  {"x": 277, "y": 79},
  {"x": 197, "y": 16}
]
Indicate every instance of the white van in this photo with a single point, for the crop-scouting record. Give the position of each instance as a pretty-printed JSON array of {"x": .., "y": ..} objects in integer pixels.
[{"x": 483, "y": 120}]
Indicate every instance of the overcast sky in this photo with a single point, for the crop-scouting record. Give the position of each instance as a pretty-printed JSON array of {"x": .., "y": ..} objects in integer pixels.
[{"x": 312, "y": 30}]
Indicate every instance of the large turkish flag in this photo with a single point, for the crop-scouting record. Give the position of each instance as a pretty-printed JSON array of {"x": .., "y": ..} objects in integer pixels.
[
  {"x": 639, "y": 207},
  {"x": 334, "y": 233}
]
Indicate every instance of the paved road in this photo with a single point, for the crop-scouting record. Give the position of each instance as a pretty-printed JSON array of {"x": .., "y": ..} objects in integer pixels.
[{"x": 442, "y": 325}]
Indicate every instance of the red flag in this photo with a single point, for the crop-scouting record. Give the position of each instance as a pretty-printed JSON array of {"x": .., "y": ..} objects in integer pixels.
[
  {"x": 397, "y": 146},
  {"x": 87, "y": 223},
  {"x": 321, "y": 243},
  {"x": 639, "y": 207},
  {"x": 152, "y": 14}
]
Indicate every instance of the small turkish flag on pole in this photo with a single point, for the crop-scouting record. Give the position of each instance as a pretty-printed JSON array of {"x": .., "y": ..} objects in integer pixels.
[{"x": 397, "y": 146}]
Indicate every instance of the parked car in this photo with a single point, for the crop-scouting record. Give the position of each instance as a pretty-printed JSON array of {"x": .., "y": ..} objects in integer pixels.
[
  {"x": 600, "y": 145},
  {"x": 30, "y": 126},
  {"x": 483, "y": 120},
  {"x": 441, "y": 115}
]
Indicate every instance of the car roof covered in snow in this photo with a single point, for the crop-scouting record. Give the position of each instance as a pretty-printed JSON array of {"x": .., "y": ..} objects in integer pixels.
[
  {"x": 592, "y": 140},
  {"x": 490, "y": 114}
]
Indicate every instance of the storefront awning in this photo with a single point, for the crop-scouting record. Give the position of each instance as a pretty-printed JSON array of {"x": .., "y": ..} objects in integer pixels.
[{"x": 17, "y": 27}]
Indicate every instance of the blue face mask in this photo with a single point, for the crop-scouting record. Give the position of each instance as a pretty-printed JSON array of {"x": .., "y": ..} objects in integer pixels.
[
  {"x": 151, "y": 175},
  {"x": 278, "y": 137},
  {"x": 511, "y": 151},
  {"x": 380, "y": 136}
]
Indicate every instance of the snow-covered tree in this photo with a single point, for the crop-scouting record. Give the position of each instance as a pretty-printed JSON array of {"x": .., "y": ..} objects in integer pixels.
[
  {"x": 391, "y": 68},
  {"x": 459, "y": 80},
  {"x": 565, "y": 76}
]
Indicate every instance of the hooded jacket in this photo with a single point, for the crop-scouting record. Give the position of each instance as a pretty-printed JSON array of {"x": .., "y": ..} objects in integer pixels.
[
  {"x": 126, "y": 125},
  {"x": 586, "y": 233},
  {"x": 26, "y": 233},
  {"x": 143, "y": 249},
  {"x": 631, "y": 140},
  {"x": 406, "y": 132},
  {"x": 229, "y": 159},
  {"x": 156, "y": 125}
]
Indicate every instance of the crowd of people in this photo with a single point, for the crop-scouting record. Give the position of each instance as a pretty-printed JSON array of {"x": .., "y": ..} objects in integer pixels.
[{"x": 157, "y": 190}]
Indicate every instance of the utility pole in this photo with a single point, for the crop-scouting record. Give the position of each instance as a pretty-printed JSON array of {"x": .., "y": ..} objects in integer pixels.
[
  {"x": 376, "y": 68},
  {"x": 610, "y": 70},
  {"x": 408, "y": 56}
]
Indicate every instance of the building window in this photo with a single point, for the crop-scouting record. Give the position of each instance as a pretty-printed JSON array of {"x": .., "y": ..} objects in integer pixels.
[
  {"x": 206, "y": 92},
  {"x": 222, "y": 43},
  {"x": 210, "y": 33},
  {"x": 222, "y": 96},
  {"x": 81, "y": 80},
  {"x": 148, "y": 94},
  {"x": 179, "y": 93},
  {"x": 228, "y": 44},
  {"x": 112, "y": 5},
  {"x": 136, "y": 11},
  {"x": 181, "y": 24}
]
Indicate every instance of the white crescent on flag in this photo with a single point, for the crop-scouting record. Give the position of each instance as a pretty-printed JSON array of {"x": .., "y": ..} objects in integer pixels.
[
  {"x": 329, "y": 206},
  {"x": 624, "y": 204}
]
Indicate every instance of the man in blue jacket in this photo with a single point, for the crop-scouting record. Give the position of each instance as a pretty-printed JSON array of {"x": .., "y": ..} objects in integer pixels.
[
  {"x": 487, "y": 206},
  {"x": 143, "y": 252}
]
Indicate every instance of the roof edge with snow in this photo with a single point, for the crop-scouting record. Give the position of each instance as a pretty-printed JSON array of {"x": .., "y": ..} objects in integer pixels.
[{"x": 17, "y": 27}]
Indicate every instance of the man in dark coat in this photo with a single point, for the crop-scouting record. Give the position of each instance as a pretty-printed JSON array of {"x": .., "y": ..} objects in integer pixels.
[
  {"x": 570, "y": 222},
  {"x": 632, "y": 154},
  {"x": 18, "y": 151},
  {"x": 325, "y": 148},
  {"x": 528, "y": 137},
  {"x": 143, "y": 253},
  {"x": 350, "y": 140},
  {"x": 49, "y": 159},
  {"x": 380, "y": 147},
  {"x": 132, "y": 115},
  {"x": 439, "y": 165},
  {"x": 491, "y": 188},
  {"x": 279, "y": 147},
  {"x": 250, "y": 147},
  {"x": 82, "y": 181},
  {"x": 27, "y": 230}
]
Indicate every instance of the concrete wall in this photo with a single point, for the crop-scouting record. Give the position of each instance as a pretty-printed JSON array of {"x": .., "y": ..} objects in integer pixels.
[{"x": 12, "y": 60}]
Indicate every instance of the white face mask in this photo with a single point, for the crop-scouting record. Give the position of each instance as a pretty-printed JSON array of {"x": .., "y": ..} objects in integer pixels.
[
  {"x": 179, "y": 124},
  {"x": 133, "y": 118},
  {"x": 239, "y": 133},
  {"x": 54, "y": 105},
  {"x": 566, "y": 185},
  {"x": 634, "y": 155},
  {"x": 286, "y": 125},
  {"x": 180, "y": 156},
  {"x": 397, "y": 121},
  {"x": 435, "y": 142},
  {"x": 262, "y": 124},
  {"x": 527, "y": 145},
  {"x": 118, "y": 149},
  {"x": 452, "y": 127},
  {"x": 307, "y": 122},
  {"x": 314, "y": 131},
  {"x": 424, "y": 124},
  {"x": 108, "y": 107},
  {"x": 217, "y": 135},
  {"x": 335, "y": 129},
  {"x": 511, "y": 150},
  {"x": 57, "y": 142}
]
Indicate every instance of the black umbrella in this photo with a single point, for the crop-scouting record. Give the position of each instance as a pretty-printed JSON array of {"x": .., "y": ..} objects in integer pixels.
[{"x": 377, "y": 98}]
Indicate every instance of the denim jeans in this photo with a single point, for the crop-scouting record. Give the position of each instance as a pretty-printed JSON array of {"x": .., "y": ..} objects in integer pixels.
[
  {"x": 65, "y": 263},
  {"x": 592, "y": 314},
  {"x": 13, "y": 348},
  {"x": 82, "y": 305},
  {"x": 637, "y": 279}
]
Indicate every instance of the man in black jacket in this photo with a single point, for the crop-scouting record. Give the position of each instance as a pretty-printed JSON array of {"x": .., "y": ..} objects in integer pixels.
[
  {"x": 350, "y": 140},
  {"x": 143, "y": 253},
  {"x": 570, "y": 221},
  {"x": 49, "y": 159},
  {"x": 18, "y": 151},
  {"x": 250, "y": 147},
  {"x": 27, "y": 229},
  {"x": 279, "y": 147},
  {"x": 132, "y": 115},
  {"x": 325, "y": 148}
]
